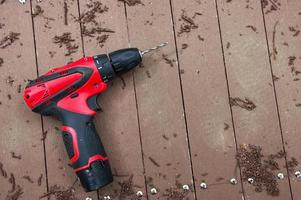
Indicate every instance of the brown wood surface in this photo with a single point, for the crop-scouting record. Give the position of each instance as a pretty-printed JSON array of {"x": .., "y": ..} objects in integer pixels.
[
  {"x": 47, "y": 25},
  {"x": 169, "y": 122},
  {"x": 206, "y": 100},
  {"x": 249, "y": 76},
  {"x": 20, "y": 129},
  {"x": 280, "y": 25},
  {"x": 117, "y": 124},
  {"x": 159, "y": 101}
]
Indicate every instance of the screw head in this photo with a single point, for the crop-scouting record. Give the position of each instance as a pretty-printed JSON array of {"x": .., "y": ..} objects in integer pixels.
[
  {"x": 298, "y": 174},
  {"x": 203, "y": 185},
  {"x": 185, "y": 187},
  {"x": 280, "y": 176},
  {"x": 153, "y": 191},
  {"x": 22, "y": 1},
  {"x": 107, "y": 197},
  {"x": 89, "y": 198},
  {"x": 251, "y": 180},
  {"x": 233, "y": 181},
  {"x": 139, "y": 194}
]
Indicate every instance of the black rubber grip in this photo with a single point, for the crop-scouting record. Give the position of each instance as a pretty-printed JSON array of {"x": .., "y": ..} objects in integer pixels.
[{"x": 85, "y": 150}]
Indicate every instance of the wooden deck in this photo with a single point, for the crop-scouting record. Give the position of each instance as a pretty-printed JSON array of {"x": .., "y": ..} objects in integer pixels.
[{"x": 228, "y": 79}]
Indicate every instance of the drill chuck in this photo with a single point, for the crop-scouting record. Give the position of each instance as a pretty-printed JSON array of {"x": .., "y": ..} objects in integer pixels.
[{"x": 117, "y": 62}]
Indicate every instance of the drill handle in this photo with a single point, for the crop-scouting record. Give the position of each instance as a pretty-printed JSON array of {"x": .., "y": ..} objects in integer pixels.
[{"x": 85, "y": 150}]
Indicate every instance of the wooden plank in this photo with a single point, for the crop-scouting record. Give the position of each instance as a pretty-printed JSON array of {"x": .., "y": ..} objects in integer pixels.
[
  {"x": 283, "y": 27},
  {"x": 160, "y": 106},
  {"x": 205, "y": 91},
  {"x": 50, "y": 22},
  {"x": 22, "y": 153},
  {"x": 249, "y": 76},
  {"x": 117, "y": 124}
]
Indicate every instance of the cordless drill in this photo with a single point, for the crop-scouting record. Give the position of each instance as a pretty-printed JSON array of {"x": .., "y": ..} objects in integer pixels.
[{"x": 69, "y": 93}]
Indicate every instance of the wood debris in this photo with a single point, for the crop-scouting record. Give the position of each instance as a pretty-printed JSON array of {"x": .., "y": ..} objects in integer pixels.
[
  {"x": 9, "y": 39},
  {"x": 245, "y": 104},
  {"x": 66, "y": 40}
]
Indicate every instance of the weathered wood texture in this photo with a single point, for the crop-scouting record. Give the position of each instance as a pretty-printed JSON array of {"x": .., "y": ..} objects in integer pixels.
[
  {"x": 169, "y": 122},
  {"x": 49, "y": 23},
  {"x": 249, "y": 76},
  {"x": 283, "y": 28},
  {"x": 117, "y": 124},
  {"x": 22, "y": 154},
  {"x": 159, "y": 102},
  {"x": 208, "y": 113}
]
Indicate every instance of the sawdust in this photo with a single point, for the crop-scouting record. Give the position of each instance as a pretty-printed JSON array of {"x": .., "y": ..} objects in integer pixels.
[
  {"x": 255, "y": 165},
  {"x": 275, "y": 78},
  {"x": 2, "y": 170},
  {"x": 91, "y": 32},
  {"x": 28, "y": 179},
  {"x": 94, "y": 8},
  {"x": 19, "y": 88},
  {"x": 17, "y": 194},
  {"x": 270, "y": 5},
  {"x": 184, "y": 46},
  {"x": 174, "y": 194},
  {"x": 168, "y": 60},
  {"x": 153, "y": 161},
  {"x": 65, "y": 13},
  {"x": 66, "y": 40},
  {"x": 226, "y": 126},
  {"x": 245, "y": 104},
  {"x": 38, "y": 11},
  {"x": 132, "y": 2},
  {"x": 40, "y": 180},
  {"x": 12, "y": 181},
  {"x": 187, "y": 25},
  {"x": 44, "y": 135},
  {"x": 253, "y": 28},
  {"x": 14, "y": 155},
  {"x": 292, "y": 164},
  {"x": 91, "y": 27},
  {"x": 101, "y": 40},
  {"x": 148, "y": 74},
  {"x": 10, "y": 81},
  {"x": 9, "y": 39},
  {"x": 60, "y": 193},
  {"x": 1, "y": 25},
  {"x": 201, "y": 38},
  {"x": 126, "y": 188},
  {"x": 294, "y": 30},
  {"x": 274, "y": 51},
  {"x": 291, "y": 60}
]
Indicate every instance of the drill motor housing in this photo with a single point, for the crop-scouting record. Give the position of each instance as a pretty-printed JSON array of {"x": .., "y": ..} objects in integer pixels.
[{"x": 69, "y": 93}]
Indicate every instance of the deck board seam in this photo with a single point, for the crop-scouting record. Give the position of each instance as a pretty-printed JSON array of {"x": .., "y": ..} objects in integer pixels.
[
  {"x": 81, "y": 29},
  {"x": 37, "y": 74},
  {"x": 183, "y": 99},
  {"x": 137, "y": 108},
  {"x": 229, "y": 94},
  {"x": 276, "y": 100}
]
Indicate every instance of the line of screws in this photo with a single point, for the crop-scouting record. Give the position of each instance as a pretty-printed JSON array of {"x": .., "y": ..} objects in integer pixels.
[{"x": 203, "y": 185}]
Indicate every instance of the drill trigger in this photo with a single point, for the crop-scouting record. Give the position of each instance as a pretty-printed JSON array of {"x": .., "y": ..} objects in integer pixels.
[{"x": 93, "y": 104}]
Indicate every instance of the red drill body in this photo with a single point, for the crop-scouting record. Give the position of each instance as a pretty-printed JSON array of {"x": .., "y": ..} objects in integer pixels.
[{"x": 70, "y": 93}]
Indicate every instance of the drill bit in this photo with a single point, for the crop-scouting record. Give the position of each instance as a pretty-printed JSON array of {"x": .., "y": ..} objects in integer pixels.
[{"x": 153, "y": 49}]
